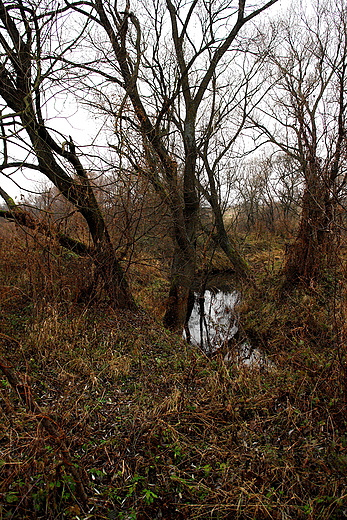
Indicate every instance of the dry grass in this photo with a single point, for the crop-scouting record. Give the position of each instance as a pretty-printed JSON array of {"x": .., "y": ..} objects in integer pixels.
[{"x": 158, "y": 430}]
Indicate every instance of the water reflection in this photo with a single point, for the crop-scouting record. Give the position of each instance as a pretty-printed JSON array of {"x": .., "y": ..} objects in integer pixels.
[{"x": 213, "y": 320}]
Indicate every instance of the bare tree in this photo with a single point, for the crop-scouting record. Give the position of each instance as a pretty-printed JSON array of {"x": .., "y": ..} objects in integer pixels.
[
  {"x": 306, "y": 118},
  {"x": 27, "y": 76},
  {"x": 268, "y": 193},
  {"x": 166, "y": 56}
]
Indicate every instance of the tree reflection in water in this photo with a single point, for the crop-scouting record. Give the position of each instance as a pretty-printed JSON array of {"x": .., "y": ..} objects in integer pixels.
[{"x": 213, "y": 320}]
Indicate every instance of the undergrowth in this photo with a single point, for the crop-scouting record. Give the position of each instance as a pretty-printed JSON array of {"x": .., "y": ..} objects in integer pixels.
[{"x": 158, "y": 430}]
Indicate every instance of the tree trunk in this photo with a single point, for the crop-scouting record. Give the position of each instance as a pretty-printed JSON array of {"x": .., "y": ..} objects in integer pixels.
[
  {"x": 114, "y": 282},
  {"x": 316, "y": 241},
  {"x": 182, "y": 277},
  {"x": 222, "y": 239},
  {"x": 80, "y": 193},
  {"x": 185, "y": 210}
]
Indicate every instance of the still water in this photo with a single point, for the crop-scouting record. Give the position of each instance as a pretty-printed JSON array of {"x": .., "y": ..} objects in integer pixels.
[{"x": 214, "y": 322}]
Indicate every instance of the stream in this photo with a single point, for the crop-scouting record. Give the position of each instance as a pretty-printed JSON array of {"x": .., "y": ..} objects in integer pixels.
[{"x": 214, "y": 322}]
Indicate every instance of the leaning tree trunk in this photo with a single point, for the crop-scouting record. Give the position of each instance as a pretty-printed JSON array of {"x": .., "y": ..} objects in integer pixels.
[
  {"x": 79, "y": 192},
  {"x": 228, "y": 246},
  {"x": 221, "y": 237},
  {"x": 23, "y": 98}
]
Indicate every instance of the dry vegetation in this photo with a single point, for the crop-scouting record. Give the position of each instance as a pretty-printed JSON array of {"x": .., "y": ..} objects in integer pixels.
[{"x": 151, "y": 427}]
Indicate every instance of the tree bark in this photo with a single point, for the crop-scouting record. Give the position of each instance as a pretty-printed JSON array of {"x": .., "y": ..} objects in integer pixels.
[{"x": 182, "y": 276}]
